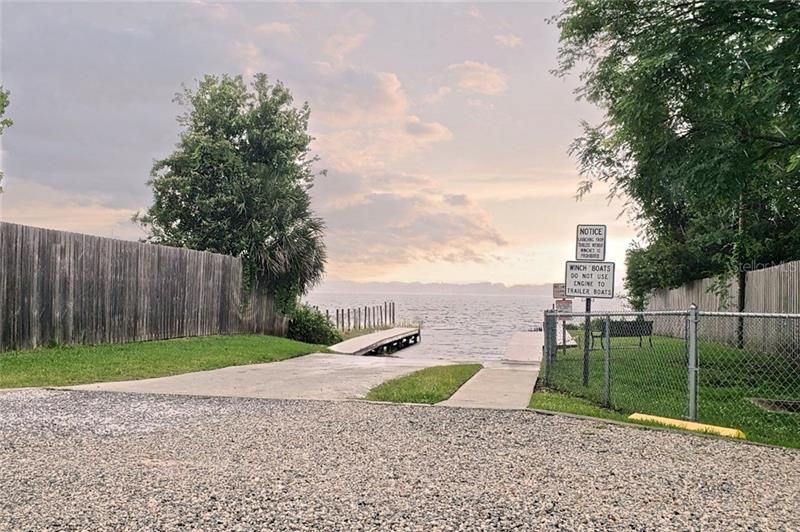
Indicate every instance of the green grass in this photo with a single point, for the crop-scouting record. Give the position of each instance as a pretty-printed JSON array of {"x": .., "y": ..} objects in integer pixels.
[
  {"x": 559, "y": 402},
  {"x": 654, "y": 381},
  {"x": 543, "y": 399},
  {"x": 428, "y": 386},
  {"x": 63, "y": 366}
]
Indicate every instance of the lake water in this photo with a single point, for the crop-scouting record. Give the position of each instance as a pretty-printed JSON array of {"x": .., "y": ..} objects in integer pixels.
[{"x": 459, "y": 326}]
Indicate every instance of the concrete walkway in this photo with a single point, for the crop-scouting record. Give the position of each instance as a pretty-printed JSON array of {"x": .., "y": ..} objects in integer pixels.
[
  {"x": 503, "y": 386},
  {"x": 317, "y": 376},
  {"x": 507, "y": 384}
]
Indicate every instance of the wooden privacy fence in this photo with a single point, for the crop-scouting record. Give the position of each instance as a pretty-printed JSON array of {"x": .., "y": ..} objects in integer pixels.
[
  {"x": 367, "y": 317},
  {"x": 68, "y": 288},
  {"x": 768, "y": 290}
]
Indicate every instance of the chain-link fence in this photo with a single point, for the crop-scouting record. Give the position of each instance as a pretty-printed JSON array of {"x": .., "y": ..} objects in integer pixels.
[{"x": 739, "y": 370}]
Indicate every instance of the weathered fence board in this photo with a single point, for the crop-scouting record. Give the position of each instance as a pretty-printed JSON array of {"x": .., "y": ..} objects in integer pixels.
[
  {"x": 68, "y": 288},
  {"x": 769, "y": 290}
]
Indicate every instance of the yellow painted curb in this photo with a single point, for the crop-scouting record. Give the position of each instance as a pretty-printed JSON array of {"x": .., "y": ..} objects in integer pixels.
[{"x": 690, "y": 425}]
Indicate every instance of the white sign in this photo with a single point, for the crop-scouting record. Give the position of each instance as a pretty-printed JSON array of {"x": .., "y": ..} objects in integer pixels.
[
  {"x": 590, "y": 243},
  {"x": 559, "y": 291},
  {"x": 564, "y": 306},
  {"x": 590, "y": 279}
]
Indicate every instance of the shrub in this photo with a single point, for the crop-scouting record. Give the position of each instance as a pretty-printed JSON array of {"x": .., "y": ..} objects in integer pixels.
[{"x": 308, "y": 324}]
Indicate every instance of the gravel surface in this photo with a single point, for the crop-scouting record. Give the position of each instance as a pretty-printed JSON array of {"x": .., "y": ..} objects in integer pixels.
[{"x": 96, "y": 460}]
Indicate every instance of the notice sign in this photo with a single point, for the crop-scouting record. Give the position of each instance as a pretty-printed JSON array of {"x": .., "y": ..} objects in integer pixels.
[
  {"x": 564, "y": 306},
  {"x": 590, "y": 279},
  {"x": 559, "y": 291},
  {"x": 590, "y": 243}
]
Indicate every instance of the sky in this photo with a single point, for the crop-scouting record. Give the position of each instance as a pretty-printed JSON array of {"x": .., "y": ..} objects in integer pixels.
[{"x": 443, "y": 132}]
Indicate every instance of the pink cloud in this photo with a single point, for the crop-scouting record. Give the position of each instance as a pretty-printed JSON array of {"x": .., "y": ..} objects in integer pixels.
[
  {"x": 481, "y": 78},
  {"x": 508, "y": 40},
  {"x": 437, "y": 95},
  {"x": 270, "y": 28},
  {"x": 362, "y": 120},
  {"x": 431, "y": 225},
  {"x": 340, "y": 45}
]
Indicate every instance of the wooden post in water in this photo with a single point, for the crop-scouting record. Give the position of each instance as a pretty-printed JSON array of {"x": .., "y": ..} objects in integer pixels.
[{"x": 348, "y": 319}]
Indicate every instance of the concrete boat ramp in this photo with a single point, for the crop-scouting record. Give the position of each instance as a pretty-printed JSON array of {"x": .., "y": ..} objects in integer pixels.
[
  {"x": 506, "y": 384},
  {"x": 503, "y": 384}
]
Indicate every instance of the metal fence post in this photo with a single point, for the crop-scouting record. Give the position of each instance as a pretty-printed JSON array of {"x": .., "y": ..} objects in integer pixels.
[
  {"x": 607, "y": 376},
  {"x": 549, "y": 343},
  {"x": 692, "y": 318}
]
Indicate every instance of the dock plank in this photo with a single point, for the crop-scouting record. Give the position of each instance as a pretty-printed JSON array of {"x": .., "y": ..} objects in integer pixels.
[{"x": 362, "y": 345}]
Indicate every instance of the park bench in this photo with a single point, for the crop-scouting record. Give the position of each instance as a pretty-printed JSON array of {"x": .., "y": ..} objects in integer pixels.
[{"x": 626, "y": 329}]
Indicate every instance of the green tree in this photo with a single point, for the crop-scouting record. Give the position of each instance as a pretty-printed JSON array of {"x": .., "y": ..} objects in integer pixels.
[
  {"x": 702, "y": 128},
  {"x": 4, "y": 122},
  {"x": 238, "y": 183}
]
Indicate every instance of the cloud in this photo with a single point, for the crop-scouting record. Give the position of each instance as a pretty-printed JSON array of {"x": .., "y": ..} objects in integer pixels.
[
  {"x": 456, "y": 199},
  {"x": 382, "y": 223},
  {"x": 213, "y": 10},
  {"x": 270, "y": 28},
  {"x": 480, "y": 104},
  {"x": 249, "y": 57},
  {"x": 364, "y": 123},
  {"x": 437, "y": 95},
  {"x": 28, "y": 203},
  {"x": 480, "y": 78},
  {"x": 338, "y": 46},
  {"x": 509, "y": 40},
  {"x": 431, "y": 131}
]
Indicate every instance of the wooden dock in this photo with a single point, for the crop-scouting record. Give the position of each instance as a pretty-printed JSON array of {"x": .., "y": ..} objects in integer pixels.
[{"x": 379, "y": 342}]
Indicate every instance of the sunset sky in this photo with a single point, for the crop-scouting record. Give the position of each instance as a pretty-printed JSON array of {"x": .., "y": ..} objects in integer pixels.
[{"x": 444, "y": 133}]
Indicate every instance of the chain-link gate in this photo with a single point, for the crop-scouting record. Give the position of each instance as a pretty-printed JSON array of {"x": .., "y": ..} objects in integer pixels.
[{"x": 739, "y": 370}]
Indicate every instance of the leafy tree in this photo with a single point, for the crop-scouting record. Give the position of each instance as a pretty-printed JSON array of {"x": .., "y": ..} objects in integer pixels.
[
  {"x": 238, "y": 183},
  {"x": 4, "y": 122},
  {"x": 702, "y": 128}
]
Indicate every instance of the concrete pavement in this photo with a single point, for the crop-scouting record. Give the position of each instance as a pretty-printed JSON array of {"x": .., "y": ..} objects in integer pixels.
[
  {"x": 507, "y": 384},
  {"x": 316, "y": 376},
  {"x": 503, "y": 386}
]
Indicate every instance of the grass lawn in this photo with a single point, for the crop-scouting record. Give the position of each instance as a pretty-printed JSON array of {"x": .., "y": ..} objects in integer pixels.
[
  {"x": 654, "y": 381},
  {"x": 560, "y": 402},
  {"x": 428, "y": 386},
  {"x": 63, "y": 366}
]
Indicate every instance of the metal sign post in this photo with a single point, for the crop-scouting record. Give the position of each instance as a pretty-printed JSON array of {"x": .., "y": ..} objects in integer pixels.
[
  {"x": 588, "y": 276},
  {"x": 587, "y": 336}
]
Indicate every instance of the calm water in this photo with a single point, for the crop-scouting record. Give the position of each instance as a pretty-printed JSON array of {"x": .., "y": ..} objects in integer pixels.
[{"x": 458, "y": 326}]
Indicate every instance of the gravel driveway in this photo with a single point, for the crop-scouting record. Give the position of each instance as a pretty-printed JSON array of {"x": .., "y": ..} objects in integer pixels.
[{"x": 97, "y": 460}]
